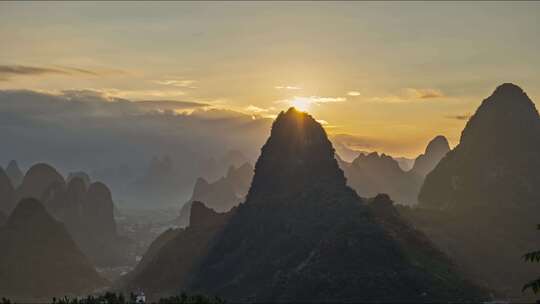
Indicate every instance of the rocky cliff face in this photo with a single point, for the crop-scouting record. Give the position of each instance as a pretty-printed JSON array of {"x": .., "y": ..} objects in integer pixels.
[{"x": 39, "y": 259}]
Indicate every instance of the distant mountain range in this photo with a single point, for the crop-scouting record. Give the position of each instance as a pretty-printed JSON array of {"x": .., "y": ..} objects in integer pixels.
[
  {"x": 371, "y": 173},
  {"x": 85, "y": 208},
  {"x": 221, "y": 195},
  {"x": 302, "y": 235}
]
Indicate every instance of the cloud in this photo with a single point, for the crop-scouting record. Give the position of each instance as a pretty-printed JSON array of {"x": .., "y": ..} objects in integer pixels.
[
  {"x": 170, "y": 105},
  {"x": 255, "y": 109},
  {"x": 354, "y": 93},
  {"x": 10, "y": 71},
  {"x": 288, "y": 88},
  {"x": 311, "y": 100},
  {"x": 182, "y": 83},
  {"x": 7, "y": 71},
  {"x": 88, "y": 130},
  {"x": 142, "y": 94},
  {"x": 423, "y": 93},
  {"x": 409, "y": 95},
  {"x": 354, "y": 142},
  {"x": 459, "y": 117}
]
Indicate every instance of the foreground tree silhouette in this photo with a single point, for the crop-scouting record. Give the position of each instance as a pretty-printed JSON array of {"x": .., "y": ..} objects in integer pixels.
[{"x": 533, "y": 257}]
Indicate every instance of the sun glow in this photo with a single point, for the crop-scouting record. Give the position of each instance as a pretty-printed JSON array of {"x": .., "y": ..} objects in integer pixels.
[{"x": 301, "y": 104}]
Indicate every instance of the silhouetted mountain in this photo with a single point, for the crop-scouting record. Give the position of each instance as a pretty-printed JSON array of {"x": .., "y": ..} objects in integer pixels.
[
  {"x": 3, "y": 219},
  {"x": 303, "y": 235},
  {"x": 7, "y": 193},
  {"x": 176, "y": 254},
  {"x": 38, "y": 180},
  {"x": 14, "y": 173},
  {"x": 39, "y": 259},
  {"x": 220, "y": 195},
  {"x": 370, "y": 174},
  {"x": 87, "y": 212},
  {"x": 435, "y": 151},
  {"x": 82, "y": 175},
  {"x": 233, "y": 158},
  {"x": 405, "y": 163},
  {"x": 481, "y": 200}
]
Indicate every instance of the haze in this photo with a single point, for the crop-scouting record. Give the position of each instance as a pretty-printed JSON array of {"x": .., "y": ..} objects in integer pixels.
[{"x": 391, "y": 75}]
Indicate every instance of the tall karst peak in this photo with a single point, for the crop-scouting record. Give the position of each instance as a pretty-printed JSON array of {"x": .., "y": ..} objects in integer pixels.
[
  {"x": 435, "y": 151},
  {"x": 6, "y": 193},
  {"x": 502, "y": 120},
  {"x": 14, "y": 172},
  {"x": 38, "y": 179},
  {"x": 498, "y": 151},
  {"x": 296, "y": 157},
  {"x": 437, "y": 145},
  {"x": 29, "y": 210}
]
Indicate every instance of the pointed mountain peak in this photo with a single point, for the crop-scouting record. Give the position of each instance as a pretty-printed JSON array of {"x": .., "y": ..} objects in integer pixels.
[
  {"x": 509, "y": 89},
  {"x": 29, "y": 210},
  {"x": 437, "y": 145},
  {"x": 13, "y": 166},
  {"x": 504, "y": 119},
  {"x": 297, "y": 155},
  {"x": 38, "y": 179},
  {"x": 201, "y": 187},
  {"x": 14, "y": 172},
  {"x": 435, "y": 151}
]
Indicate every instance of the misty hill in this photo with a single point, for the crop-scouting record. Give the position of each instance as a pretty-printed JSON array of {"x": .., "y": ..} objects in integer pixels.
[
  {"x": 373, "y": 173},
  {"x": 82, "y": 122},
  {"x": 303, "y": 235},
  {"x": 7, "y": 193},
  {"x": 14, "y": 173},
  {"x": 435, "y": 151},
  {"x": 220, "y": 195},
  {"x": 480, "y": 203},
  {"x": 39, "y": 259},
  {"x": 87, "y": 212},
  {"x": 175, "y": 255}
]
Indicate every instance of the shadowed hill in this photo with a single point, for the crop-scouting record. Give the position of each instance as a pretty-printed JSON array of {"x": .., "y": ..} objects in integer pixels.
[
  {"x": 86, "y": 211},
  {"x": 39, "y": 259},
  {"x": 175, "y": 255}
]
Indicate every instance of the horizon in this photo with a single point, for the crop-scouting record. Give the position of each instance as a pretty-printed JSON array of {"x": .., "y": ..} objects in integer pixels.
[{"x": 353, "y": 65}]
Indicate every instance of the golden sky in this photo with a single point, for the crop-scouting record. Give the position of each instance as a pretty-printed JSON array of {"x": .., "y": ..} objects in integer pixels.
[{"x": 395, "y": 73}]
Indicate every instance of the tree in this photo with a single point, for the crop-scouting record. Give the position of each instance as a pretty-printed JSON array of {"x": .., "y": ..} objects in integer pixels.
[{"x": 533, "y": 257}]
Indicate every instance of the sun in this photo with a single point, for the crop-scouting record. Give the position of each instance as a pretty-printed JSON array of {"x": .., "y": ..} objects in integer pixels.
[{"x": 301, "y": 104}]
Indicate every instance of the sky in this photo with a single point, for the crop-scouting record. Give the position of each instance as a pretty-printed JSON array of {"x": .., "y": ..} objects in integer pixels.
[{"x": 390, "y": 75}]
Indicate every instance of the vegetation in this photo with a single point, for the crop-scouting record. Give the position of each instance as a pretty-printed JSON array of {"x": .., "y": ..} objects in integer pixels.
[
  {"x": 533, "y": 257},
  {"x": 114, "y": 298}
]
